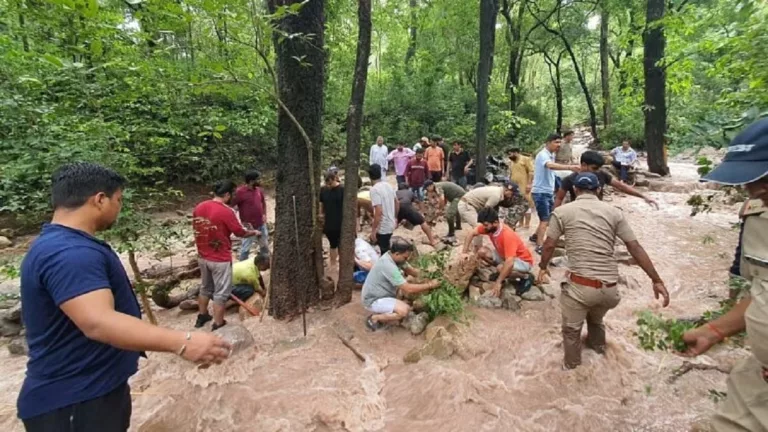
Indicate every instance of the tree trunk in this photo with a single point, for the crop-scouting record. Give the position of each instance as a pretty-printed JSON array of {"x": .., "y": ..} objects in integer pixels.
[
  {"x": 605, "y": 79},
  {"x": 142, "y": 287},
  {"x": 655, "y": 108},
  {"x": 300, "y": 67},
  {"x": 584, "y": 87},
  {"x": 515, "y": 52},
  {"x": 554, "y": 76},
  {"x": 352, "y": 163},
  {"x": 412, "y": 30},
  {"x": 488, "y": 11}
]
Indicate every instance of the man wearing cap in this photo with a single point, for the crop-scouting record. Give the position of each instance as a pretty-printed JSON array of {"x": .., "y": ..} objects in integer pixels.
[
  {"x": 378, "y": 156},
  {"x": 590, "y": 227},
  {"x": 401, "y": 155},
  {"x": 745, "y": 164}
]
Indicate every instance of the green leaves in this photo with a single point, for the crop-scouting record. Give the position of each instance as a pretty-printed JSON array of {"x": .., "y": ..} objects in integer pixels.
[{"x": 656, "y": 333}]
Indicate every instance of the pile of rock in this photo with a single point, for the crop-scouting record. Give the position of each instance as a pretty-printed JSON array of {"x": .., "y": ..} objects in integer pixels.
[
  {"x": 443, "y": 340},
  {"x": 6, "y": 235},
  {"x": 11, "y": 326}
]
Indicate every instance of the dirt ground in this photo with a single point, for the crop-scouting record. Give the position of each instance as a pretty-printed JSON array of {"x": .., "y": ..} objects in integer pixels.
[{"x": 512, "y": 383}]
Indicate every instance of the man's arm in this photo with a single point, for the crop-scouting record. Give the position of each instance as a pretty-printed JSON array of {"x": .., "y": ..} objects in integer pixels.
[
  {"x": 95, "y": 315},
  {"x": 237, "y": 228},
  {"x": 397, "y": 207},
  {"x": 414, "y": 288},
  {"x": 560, "y": 197},
  {"x": 411, "y": 271},
  {"x": 264, "y": 205},
  {"x": 547, "y": 252},
  {"x": 468, "y": 240},
  {"x": 562, "y": 167},
  {"x": 365, "y": 265},
  {"x": 644, "y": 261},
  {"x": 376, "y": 219},
  {"x": 629, "y": 190}
]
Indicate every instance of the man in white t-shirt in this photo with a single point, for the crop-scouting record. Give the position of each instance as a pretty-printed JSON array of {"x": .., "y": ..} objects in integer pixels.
[
  {"x": 378, "y": 156},
  {"x": 385, "y": 209}
]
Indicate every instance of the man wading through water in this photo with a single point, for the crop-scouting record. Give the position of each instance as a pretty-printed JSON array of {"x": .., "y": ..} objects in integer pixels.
[
  {"x": 745, "y": 408},
  {"x": 590, "y": 227},
  {"x": 83, "y": 322}
]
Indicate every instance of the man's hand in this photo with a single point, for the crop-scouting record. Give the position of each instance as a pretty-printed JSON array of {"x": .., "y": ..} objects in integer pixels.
[
  {"x": 652, "y": 202},
  {"x": 699, "y": 341},
  {"x": 528, "y": 188},
  {"x": 496, "y": 289},
  {"x": 256, "y": 233},
  {"x": 660, "y": 290},
  {"x": 373, "y": 236},
  {"x": 206, "y": 348},
  {"x": 542, "y": 277},
  {"x": 575, "y": 168},
  {"x": 434, "y": 283}
]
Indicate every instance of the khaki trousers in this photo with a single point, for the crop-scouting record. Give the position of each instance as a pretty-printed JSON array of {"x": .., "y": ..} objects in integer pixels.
[
  {"x": 579, "y": 303},
  {"x": 467, "y": 213},
  {"x": 745, "y": 409}
]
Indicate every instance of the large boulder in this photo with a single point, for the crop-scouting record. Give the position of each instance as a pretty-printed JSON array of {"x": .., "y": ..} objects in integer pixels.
[
  {"x": 12, "y": 314},
  {"x": 486, "y": 274},
  {"x": 7, "y": 232},
  {"x": 9, "y": 328},
  {"x": 442, "y": 336},
  {"x": 327, "y": 288},
  {"x": 533, "y": 294},
  {"x": 237, "y": 335},
  {"x": 458, "y": 271},
  {"x": 416, "y": 323},
  {"x": 18, "y": 346},
  {"x": 489, "y": 301},
  {"x": 509, "y": 300},
  {"x": 5, "y": 242}
]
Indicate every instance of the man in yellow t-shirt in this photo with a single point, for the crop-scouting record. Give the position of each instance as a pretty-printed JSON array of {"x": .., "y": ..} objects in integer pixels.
[{"x": 521, "y": 172}]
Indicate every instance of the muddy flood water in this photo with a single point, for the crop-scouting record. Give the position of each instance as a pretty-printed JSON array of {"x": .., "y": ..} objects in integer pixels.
[{"x": 511, "y": 382}]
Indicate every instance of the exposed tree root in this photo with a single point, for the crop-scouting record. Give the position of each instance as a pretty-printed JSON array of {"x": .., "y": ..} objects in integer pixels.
[{"x": 688, "y": 366}]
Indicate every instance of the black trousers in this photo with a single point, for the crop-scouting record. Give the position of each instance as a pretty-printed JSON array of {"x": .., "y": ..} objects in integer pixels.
[
  {"x": 108, "y": 413},
  {"x": 383, "y": 241}
]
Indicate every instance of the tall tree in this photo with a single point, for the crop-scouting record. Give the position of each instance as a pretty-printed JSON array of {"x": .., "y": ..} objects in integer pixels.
[
  {"x": 553, "y": 64},
  {"x": 488, "y": 11},
  {"x": 605, "y": 76},
  {"x": 516, "y": 48},
  {"x": 655, "y": 107},
  {"x": 297, "y": 263},
  {"x": 352, "y": 163},
  {"x": 412, "y": 32}
]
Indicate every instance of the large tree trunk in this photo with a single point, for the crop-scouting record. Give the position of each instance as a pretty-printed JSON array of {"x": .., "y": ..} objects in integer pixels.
[
  {"x": 296, "y": 268},
  {"x": 605, "y": 77},
  {"x": 412, "y": 31},
  {"x": 584, "y": 87},
  {"x": 352, "y": 163},
  {"x": 488, "y": 11},
  {"x": 655, "y": 108}
]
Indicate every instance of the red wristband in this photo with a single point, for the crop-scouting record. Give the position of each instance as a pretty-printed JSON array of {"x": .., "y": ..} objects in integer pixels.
[{"x": 716, "y": 331}]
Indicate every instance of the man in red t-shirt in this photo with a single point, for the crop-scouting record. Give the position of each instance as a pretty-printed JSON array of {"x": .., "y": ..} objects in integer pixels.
[
  {"x": 252, "y": 206},
  {"x": 510, "y": 256},
  {"x": 416, "y": 174},
  {"x": 214, "y": 221}
]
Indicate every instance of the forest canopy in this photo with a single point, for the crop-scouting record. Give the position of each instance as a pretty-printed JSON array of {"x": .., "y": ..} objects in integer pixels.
[{"x": 177, "y": 92}]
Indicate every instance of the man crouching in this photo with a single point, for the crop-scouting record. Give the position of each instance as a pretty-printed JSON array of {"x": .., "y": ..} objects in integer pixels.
[{"x": 386, "y": 277}]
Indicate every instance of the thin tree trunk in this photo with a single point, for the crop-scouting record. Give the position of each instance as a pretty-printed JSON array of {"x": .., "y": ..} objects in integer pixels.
[
  {"x": 655, "y": 108},
  {"x": 412, "y": 30},
  {"x": 605, "y": 80},
  {"x": 352, "y": 163},
  {"x": 515, "y": 52},
  {"x": 488, "y": 11},
  {"x": 633, "y": 29},
  {"x": 142, "y": 291},
  {"x": 23, "y": 26},
  {"x": 555, "y": 78},
  {"x": 297, "y": 268}
]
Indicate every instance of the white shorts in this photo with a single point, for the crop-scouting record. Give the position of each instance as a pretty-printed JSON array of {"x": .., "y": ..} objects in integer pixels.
[
  {"x": 519, "y": 265},
  {"x": 384, "y": 305}
]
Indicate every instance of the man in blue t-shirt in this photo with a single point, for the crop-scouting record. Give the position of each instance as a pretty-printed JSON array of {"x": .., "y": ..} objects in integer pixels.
[
  {"x": 543, "y": 190},
  {"x": 83, "y": 322}
]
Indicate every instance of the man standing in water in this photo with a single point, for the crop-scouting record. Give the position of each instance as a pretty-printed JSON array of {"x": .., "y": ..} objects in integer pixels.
[
  {"x": 746, "y": 163},
  {"x": 543, "y": 190},
  {"x": 214, "y": 222},
  {"x": 590, "y": 227},
  {"x": 252, "y": 206},
  {"x": 83, "y": 322},
  {"x": 378, "y": 156},
  {"x": 401, "y": 155}
]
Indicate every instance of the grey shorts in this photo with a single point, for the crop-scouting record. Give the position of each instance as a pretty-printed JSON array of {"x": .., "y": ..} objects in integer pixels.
[
  {"x": 216, "y": 280},
  {"x": 520, "y": 265}
]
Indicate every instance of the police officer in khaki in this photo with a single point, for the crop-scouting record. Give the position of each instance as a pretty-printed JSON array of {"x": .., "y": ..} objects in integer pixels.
[
  {"x": 746, "y": 407},
  {"x": 590, "y": 227}
]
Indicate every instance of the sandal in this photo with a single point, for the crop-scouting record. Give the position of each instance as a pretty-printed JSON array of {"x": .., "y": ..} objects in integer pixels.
[{"x": 371, "y": 324}]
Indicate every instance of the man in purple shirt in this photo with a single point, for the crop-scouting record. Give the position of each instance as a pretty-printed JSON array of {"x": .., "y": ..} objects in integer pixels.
[
  {"x": 401, "y": 156},
  {"x": 252, "y": 206}
]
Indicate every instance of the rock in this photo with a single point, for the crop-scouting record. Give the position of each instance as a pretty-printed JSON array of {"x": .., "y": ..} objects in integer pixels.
[
  {"x": 237, "y": 335},
  {"x": 474, "y": 293},
  {"x": 475, "y": 280},
  {"x": 12, "y": 314},
  {"x": 678, "y": 187},
  {"x": 188, "y": 305},
  {"x": 486, "y": 286},
  {"x": 485, "y": 273},
  {"x": 18, "y": 346},
  {"x": 8, "y": 328},
  {"x": 440, "y": 347},
  {"x": 413, "y": 356},
  {"x": 489, "y": 301},
  {"x": 5, "y": 242},
  {"x": 7, "y": 232},
  {"x": 416, "y": 323},
  {"x": 459, "y": 272},
  {"x": 439, "y": 324},
  {"x": 441, "y": 341},
  {"x": 419, "y": 305},
  {"x": 650, "y": 175},
  {"x": 327, "y": 288},
  {"x": 641, "y": 181},
  {"x": 534, "y": 294},
  {"x": 509, "y": 300}
]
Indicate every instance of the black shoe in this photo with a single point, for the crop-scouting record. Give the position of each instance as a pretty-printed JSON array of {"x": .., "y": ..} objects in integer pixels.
[
  {"x": 202, "y": 319},
  {"x": 533, "y": 238},
  {"x": 539, "y": 250},
  {"x": 215, "y": 326},
  {"x": 371, "y": 324}
]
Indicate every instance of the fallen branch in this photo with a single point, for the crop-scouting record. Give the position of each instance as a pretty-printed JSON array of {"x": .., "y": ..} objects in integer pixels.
[
  {"x": 351, "y": 348},
  {"x": 688, "y": 366}
]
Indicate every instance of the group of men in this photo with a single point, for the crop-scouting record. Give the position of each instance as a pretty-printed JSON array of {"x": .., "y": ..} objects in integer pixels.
[{"x": 85, "y": 332}]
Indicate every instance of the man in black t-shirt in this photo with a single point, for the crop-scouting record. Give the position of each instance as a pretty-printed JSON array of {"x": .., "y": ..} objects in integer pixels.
[
  {"x": 592, "y": 161},
  {"x": 331, "y": 206},
  {"x": 460, "y": 161}
]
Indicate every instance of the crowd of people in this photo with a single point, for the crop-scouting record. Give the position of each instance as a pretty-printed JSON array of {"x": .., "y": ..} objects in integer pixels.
[{"x": 83, "y": 322}]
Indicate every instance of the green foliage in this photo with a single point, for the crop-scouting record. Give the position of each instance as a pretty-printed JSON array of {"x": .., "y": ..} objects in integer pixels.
[
  {"x": 716, "y": 396},
  {"x": 704, "y": 165},
  {"x": 446, "y": 299},
  {"x": 657, "y": 333},
  {"x": 707, "y": 240},
  {"x": 10, "y": 268}
]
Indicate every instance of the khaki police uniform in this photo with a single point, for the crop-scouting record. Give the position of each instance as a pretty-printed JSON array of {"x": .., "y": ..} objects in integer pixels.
[
  {"x": 590, "y": 227},
  {"x": 746, "y": 407}
]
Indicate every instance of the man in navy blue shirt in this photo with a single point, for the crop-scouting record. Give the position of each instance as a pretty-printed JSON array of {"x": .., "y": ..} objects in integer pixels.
[{"x": 83, "y": 322}]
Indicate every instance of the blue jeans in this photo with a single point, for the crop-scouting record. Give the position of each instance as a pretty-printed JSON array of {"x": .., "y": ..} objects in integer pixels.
[
  {"x": 623, "y": 171},
  {"x": 545, "y": 204},
  {"x": 418, "y": 194},
  {"x": 245, "y": 248},
  {"x": 558, "y": 183},
  {"x": 461, "y": 181}
]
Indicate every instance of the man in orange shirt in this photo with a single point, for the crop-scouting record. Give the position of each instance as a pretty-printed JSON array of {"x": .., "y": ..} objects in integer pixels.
[
  {"x": 510, "y": 256},
  {"x": 435, "y": 161}
]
